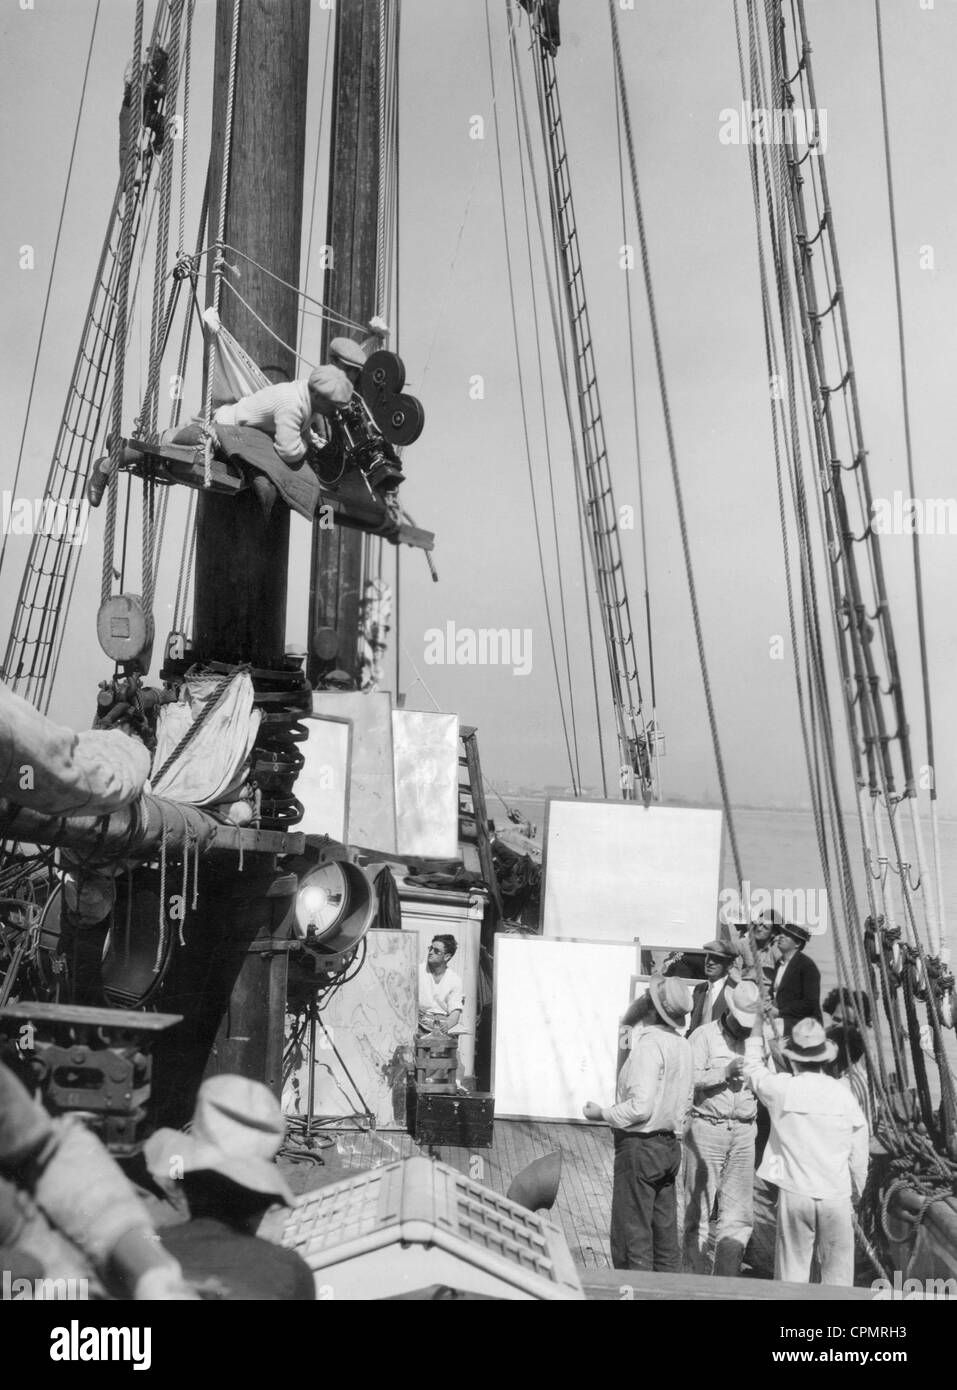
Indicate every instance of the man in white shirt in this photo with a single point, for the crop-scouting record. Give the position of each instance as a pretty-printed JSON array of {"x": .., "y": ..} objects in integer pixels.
[
  {"x": 719, "y": 1146},
  {"x": 817, "y": 1155},
  {"x": 441, "y": 996},
  {"x": 654, "y": 1092}
]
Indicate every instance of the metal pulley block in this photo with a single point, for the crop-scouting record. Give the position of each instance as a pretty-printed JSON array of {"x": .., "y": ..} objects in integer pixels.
[{"x": 125, "y": 630}]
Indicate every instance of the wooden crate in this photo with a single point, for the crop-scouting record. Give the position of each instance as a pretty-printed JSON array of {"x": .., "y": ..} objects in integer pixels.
[{"x": 462, "y": 1120}]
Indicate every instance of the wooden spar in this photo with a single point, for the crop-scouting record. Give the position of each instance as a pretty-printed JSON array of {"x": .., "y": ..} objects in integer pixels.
[
  {"x": 336, "y": 570},
  {"x": 140, "y": 830},
  {"x": 242, "y": 555},
  {"x": 137, "y": 829}
]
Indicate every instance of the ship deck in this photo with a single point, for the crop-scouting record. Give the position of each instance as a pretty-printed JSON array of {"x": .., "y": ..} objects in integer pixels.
[{"x": 582, "y": 1209}]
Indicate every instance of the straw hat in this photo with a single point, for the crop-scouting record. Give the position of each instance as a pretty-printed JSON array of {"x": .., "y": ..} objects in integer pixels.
[
  {"x": 237, "y": 1130},
  {"x": 744, "y": 1002},
  {"x": 809, "y": 1043},
  {"x": 672, "y": 1000}
]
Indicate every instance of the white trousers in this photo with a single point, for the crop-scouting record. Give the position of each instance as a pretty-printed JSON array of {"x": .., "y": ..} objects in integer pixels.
[{"x": 809, "y": 1226}]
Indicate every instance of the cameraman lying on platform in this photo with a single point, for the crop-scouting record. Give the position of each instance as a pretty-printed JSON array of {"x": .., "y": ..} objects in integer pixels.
[{"x": 285, "y": 412}]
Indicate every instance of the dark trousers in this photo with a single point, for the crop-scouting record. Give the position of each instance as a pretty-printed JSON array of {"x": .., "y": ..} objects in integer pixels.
[{"x": 644, "y": 1216}]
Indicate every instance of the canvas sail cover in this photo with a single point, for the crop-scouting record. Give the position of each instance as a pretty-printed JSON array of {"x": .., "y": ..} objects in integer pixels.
[
  {"x": 235, "y": 374},
  {"x": 212, "y": 767},
  {"x": 56, "y": 771}
]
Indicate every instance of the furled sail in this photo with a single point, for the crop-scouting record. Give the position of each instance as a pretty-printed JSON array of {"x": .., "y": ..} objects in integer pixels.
[{"x": 212, "y": 767}]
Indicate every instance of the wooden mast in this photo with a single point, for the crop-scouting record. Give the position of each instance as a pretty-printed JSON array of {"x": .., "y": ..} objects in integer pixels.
[
  {"x": 231, "y": 983},
  {"x": 242, "y": 556},
  {"x": 336, "y": 570}
]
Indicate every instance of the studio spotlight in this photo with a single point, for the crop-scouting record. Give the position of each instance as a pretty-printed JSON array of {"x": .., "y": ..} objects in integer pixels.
[{"x": 335, "y": 906}]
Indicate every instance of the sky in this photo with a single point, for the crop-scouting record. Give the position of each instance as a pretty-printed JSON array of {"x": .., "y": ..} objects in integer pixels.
[{"x": 468, "y": 476}]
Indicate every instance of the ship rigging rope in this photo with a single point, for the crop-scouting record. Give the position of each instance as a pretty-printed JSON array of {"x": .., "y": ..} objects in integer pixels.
[
  {"x": 799, "y": 241},
  {"x": 561, "y": 357},
  {"x": 326, "y": 313},
  {"x": 574, "y": 771},
  {"x": 218, "y": 265},
  {"x": 911, "y": 483},
  {"x": 601, "y": 514},
  {"x": 263, "y": 324},
  {"x": 53, "y": 261},
  {"x": 126, "y": 249},
  {"x": 184, "y": 131},
  {"x": 669, "y": 434},
  {"x": 814, "y": 652},
  {"x": 639, "y": 472},
  {"x": 525, "y": 154},
  {"x": 881, "y": 766}
]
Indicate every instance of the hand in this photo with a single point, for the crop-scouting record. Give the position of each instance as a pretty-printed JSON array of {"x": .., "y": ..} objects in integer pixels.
[
  {"x": 164, "y": 1283},
  {"x": 734, "y": 1068},
  {"x": 591, "y": 1111}
]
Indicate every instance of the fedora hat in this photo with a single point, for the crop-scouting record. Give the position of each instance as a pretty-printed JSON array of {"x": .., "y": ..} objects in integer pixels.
[
  {"x": 769, "y": 918},
  {"x": 809, "y": 1043},
  {"x": 720, "y": 948},
  {"x": 744, "y": 1002},
  {"x": 237, "y": 1130},
  {"x": 801, "y": 935},
  {"x": 671, "y": 998}
]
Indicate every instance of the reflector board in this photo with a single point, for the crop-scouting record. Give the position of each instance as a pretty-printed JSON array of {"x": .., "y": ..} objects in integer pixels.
[
  {"x": 616, "y": 871},
  {"x": 323, "y": 784},
  {"x": 557, "y": 1006},
  {"x": 371, "y": 783}
]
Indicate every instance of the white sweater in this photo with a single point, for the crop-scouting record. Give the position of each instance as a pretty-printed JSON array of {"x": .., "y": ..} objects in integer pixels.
[{"x": 284, "y": 411}]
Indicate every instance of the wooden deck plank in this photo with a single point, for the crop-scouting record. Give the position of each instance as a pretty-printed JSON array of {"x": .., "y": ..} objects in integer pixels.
[{"x": 582, "y": 1209}]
